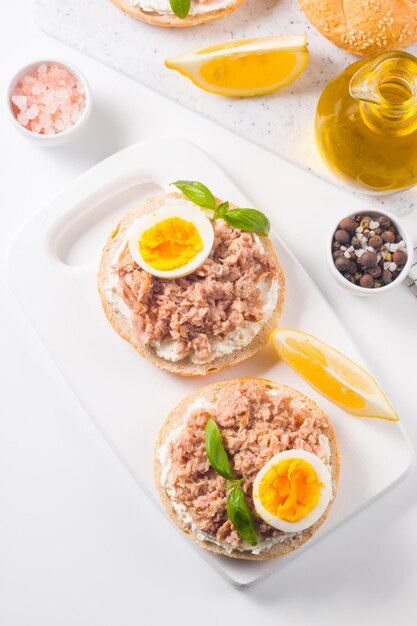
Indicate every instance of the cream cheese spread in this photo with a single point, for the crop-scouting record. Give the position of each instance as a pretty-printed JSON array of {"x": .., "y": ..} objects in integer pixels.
[
  {"x": 112, "y": 284},
  {"x": 163, "y": 7}
]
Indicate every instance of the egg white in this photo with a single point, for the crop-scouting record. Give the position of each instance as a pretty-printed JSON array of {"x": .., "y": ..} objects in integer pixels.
[
  {"x": 188, "y": 213},
  {"x": 323, "y": 475}
]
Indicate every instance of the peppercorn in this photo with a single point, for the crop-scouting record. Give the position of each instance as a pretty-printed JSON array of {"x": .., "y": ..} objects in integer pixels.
[
  {"x": 368, "y": 259},
  {"x": 355, "y": 242},
  {"x": 375, "y": 242},
  {"x": 387, "y": 257},
  {"x": 342, "y": 236},
  {"x": 400, "y": 257},
  {"x": 353, "y": 268},
  {"x": 336, "y": 245},
  {"x": 366, "y": 281},
  {"x": 384, "y": 221},
  {"x": 377, "y": 284},
  {"x": 375, "y": 271},
  {"x": 348, "y": 224},
  {"x": 342, "y": 263},
  {"x": 387, "y": 277},
  {"x": 388, "y": 236},
  {"x": 337, "y": 254},
  {"x": 349, "y": 277}
]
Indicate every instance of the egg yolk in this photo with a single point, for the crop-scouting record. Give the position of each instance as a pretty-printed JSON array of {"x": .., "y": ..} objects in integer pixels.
[
  {"x": 290, "y": 489},
  {"x": 170, "y": 244}
]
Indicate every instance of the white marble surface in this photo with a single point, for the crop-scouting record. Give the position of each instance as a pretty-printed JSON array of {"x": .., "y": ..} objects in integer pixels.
[{"x": 281, "y": 122}]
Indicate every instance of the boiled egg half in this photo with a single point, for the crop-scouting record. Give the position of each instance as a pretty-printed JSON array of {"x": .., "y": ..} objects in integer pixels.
[
  {"x": 173, "y": 241},
  {"x": 292, "y": 491}
]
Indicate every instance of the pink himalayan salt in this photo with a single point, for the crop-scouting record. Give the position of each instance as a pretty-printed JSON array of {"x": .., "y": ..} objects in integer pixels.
[{"x": 48, "y": 100}]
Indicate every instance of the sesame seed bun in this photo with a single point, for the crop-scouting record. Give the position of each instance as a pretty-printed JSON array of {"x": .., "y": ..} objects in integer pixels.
[
  {"x": 122, "y": 325},
  {"x": 364, "y": 27},
  {"x": 175, "y": 418},
  {"x": 172, "y": 21}
]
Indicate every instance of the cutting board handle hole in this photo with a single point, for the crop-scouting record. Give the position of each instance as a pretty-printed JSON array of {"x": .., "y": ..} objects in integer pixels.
[{"x": 81, "y": 240}]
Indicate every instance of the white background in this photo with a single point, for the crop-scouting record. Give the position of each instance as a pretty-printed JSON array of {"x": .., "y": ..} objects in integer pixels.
[{"x": 79, "y": 543}]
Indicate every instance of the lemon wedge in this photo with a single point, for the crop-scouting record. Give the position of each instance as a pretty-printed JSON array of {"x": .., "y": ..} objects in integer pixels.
[
  {"x": 333, "y": 374},
  {"x": 249, "y": 67}
]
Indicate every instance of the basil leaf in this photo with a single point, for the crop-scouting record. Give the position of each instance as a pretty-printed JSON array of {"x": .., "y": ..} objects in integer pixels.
[
  {"x": 240, "y": 515},
  {"x": 181, "y": 8},
  {"x": 197, "y": 193},
  {"x": 237, "y": 508},
  {"x": 221, "y": 210},
  {"x": 216, "y": 453},
  {"x": 234, "y": 483},
  {"x": 250, "y": 220}
]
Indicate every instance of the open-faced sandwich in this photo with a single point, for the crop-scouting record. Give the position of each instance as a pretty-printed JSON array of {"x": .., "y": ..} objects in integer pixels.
[
  {"x": 248, "y": 468},
  {"x": 192, "y": 283},
  {"x": 177, "y": 13}
]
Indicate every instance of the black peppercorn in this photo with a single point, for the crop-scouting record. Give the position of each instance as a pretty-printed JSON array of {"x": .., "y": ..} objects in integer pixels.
[
  {"x": 375, "y": 242},
  {"x": 400, "y": 257},
  {"x": 342, "y": 264},
  {"x": 368, "y": 259},
  {"x": 387, "y": 277},
  {"x": 366, "y": 281},
  {"x": 384, "y": 221},
  {"x": 342, "y": 236},
  {"x": 348, "y": 224},
  {"x": 375, "y": 271},
  {"x": 388, "y": 236}
]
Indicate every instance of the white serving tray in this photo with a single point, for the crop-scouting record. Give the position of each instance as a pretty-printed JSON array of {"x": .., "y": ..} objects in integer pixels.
[{"x": 126, "y": 396}]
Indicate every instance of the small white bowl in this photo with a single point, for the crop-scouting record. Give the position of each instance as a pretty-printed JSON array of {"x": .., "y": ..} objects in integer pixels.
[
  {"x": 57, "y": 138},
  {"x": 364, "y": 291}
]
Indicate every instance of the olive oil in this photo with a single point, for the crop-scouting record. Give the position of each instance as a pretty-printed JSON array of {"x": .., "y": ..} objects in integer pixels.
[{"x": 366, "y": 123}]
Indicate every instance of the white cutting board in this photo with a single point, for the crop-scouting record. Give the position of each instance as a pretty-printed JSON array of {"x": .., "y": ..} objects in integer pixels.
[
  {"x": 281, "y": 122},
  {"x": 126, "y": 396}
]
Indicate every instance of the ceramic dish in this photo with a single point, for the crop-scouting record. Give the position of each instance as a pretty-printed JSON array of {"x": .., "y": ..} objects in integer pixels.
[
  {"x": 363, "y": 291},
  {"x": 58, "y": 138}
]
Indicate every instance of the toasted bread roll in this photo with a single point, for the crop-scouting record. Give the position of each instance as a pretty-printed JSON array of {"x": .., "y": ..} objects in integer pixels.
[
  {"x": 169, "y": 19},
  {"x": 257, "y": 418},
  {"x": 126, "y": 321},
  {"x": 364, "y": 27}
]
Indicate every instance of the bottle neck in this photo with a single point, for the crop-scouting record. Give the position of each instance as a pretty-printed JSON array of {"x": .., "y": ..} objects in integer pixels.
[
  {"x": 386, "y": 89},
  {"x": 386, "y": 123}
]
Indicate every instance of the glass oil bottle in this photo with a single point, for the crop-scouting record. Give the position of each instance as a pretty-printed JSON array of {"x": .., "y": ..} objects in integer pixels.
[{"x": 366, "y": 123}]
